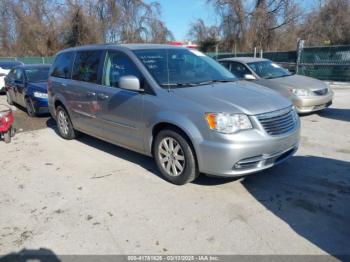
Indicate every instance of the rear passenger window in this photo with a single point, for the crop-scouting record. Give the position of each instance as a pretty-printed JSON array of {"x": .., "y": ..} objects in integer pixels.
[
  {"x": 118, "y": 64},
  {"x": 62, "y": 66},
  {"x": 86, "y": 66}
]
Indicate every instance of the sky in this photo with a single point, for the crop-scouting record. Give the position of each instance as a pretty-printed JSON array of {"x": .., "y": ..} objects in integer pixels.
[{"x": 179, "y": 14}]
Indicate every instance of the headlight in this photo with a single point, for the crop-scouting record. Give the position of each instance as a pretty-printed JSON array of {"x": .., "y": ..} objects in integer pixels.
[
  {"x": 40, "y": 95},
  {"x": 301, "y": 92},
  {"x": 228, "y": 123}
]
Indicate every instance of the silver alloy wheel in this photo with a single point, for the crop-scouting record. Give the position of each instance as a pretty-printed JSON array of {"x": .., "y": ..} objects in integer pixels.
[
  {"x": 63, "y": 122},
  {"x": 171, "y": 156}
]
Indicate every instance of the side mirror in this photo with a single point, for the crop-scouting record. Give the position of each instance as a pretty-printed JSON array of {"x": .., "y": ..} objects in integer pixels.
[
  {"x": 130, "y": 83},
  {"x": 249, "y": 77}
]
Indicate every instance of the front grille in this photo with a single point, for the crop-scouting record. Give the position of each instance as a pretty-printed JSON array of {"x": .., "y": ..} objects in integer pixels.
[
  {"x": 321, "y": 92},
  {"x": 278, "y": 122}
]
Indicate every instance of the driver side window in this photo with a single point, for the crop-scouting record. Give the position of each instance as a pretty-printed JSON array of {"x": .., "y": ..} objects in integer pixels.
[{"x": 117, "y": 65}]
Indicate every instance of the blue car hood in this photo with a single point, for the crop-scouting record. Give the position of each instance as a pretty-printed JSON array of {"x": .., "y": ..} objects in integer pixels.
[{"x": 38, "y": 86}]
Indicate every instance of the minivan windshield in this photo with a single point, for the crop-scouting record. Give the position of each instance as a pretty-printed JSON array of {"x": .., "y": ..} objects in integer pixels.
[
  {"x": 177, "y": 67},
  {"x": 268, "y": 69},
  {"x": 37, "y": 74}
]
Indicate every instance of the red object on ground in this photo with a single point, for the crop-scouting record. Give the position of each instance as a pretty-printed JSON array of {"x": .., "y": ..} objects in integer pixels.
[{"x": 6, "y": 121}]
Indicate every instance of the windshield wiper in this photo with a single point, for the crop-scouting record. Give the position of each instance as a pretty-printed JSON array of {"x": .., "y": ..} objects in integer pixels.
[
  {"x": 197, "y": 83},
  {"x": 272, "y": 77},
  {"x": 178, "y": 84},
  {"x": 214, "y": 81}
]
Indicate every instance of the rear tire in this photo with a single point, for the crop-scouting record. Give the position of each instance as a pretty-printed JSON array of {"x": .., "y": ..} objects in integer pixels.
[
  {"x": 175, "y": 157},
  {"x": 64, "y": 124},
  {"x": 30, "y": 107},
  {"x": 9, "y": 99}
]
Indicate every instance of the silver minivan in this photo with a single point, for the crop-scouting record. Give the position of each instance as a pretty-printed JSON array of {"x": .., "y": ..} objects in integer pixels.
[{"x": 175, "y": 104}]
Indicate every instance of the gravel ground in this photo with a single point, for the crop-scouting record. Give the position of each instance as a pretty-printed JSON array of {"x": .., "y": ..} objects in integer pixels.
[{"x": 89, "y": 197}]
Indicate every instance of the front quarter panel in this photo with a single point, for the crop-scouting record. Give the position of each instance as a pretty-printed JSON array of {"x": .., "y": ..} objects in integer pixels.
[{"x": 164, "y": 108}]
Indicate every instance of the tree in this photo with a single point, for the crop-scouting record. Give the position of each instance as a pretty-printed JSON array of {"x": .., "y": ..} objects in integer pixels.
[
  {"x": 42, "y": 27},
  {"x": 206, "y": 36},
  {"x": 254, "y": 23},
  {"x": 330, "y": 22}
]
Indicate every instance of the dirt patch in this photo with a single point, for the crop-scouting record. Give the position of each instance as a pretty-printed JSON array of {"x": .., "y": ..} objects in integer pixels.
[{"x": 24, "y": 123}]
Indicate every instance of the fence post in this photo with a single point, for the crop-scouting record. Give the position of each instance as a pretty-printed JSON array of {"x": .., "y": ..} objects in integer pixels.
[
  {"x": 300, "y": 48},
  {"x": 261, "y": 53},
  {"x": 254, "y": 52}
]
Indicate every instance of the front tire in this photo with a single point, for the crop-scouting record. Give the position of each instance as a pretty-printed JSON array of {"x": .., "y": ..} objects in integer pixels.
[
  {"x": 30, "y": 107},
  {"x": 64, "y": 124},
  {"x": 175, "y": 157}
]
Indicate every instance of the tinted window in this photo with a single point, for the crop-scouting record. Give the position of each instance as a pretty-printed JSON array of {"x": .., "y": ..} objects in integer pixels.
[
  {"x": 118, "y": 64},
  {"x": 239, "y": 70},
  {"x": 86, "y": 66},
  {"x": 37, "y": 74},
  {"x": 62, "y": 66}
]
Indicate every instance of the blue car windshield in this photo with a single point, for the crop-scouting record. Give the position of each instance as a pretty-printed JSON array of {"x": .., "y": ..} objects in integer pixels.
[
  {"x": 37, "y": 74},
  {"x": 180, "y": 67},
  {"x": 268, "y": 69}
]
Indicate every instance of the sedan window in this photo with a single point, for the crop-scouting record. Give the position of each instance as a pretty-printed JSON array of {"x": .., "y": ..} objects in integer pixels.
[
  {"x": 268, "y": 69},
  {"x": 37, "y": 74},
  {"x": 239, "y": 70}
]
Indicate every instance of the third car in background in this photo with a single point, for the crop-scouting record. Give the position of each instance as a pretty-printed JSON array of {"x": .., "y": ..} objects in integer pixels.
[
  {"x": 306, "y": 93},
  {"x": 5, "y": 67}
]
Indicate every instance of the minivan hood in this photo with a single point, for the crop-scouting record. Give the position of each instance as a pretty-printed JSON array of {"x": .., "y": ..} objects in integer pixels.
[
  {"x": 298, "y": 81},
  {"x": 38, "y": 86},
  {"x": 234, "y": 97}
]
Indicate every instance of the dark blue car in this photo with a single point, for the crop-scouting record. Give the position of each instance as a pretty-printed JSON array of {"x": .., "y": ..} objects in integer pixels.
[{"x": 26, "y": 85}]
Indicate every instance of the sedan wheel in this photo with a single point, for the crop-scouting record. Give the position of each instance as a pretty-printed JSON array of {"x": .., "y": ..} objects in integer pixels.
[{"x": 30, "y": 108}]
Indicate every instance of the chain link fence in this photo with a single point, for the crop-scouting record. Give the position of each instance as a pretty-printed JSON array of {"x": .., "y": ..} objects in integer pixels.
[
  {"x": 330, "y": 63},
  {"x": 30, "y": 59}
]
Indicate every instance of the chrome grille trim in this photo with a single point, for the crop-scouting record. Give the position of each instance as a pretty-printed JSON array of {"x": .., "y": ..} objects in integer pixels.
[{"x": 278, "y": 122}]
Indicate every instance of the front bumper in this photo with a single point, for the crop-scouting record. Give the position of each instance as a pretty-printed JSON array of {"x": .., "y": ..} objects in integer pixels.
[
  {"x": 312, "y": 104},
  {"x": 246, "y": 152},
  {"x": 40, "y": 105}
]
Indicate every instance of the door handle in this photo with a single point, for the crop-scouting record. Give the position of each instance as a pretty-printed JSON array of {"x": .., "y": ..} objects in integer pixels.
[
  {"x": 102, "y": 96},
  {"x": 90, "y": 94}
]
